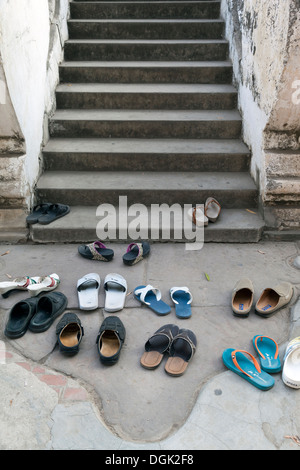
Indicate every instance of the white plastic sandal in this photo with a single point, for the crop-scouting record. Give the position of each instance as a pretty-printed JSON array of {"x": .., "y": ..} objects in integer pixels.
[
  {"x": 116, "y": 288},
  {"x": 20, "y": 283},
  {"x": 43, "y": 284},
  {"x": 197, "y": 216},
  {"x": 291, "y": 364},
  {"x": 88, "y": 288},
  {"x": 212, "y": 209}
]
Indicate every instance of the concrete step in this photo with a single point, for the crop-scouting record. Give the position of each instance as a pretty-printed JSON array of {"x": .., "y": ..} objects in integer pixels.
[
  {"x": 146, "y": 124},
  {"x": 138, "y": 9},
  {"x": 90, "y": 188},
  {"x": 80, "y": 226},
  {"x": 145, "y": 29},
  {"x": 111, "y": 50},
  {"x": 145, "y": 96},
  {"x": 209, "y": 72},
  {"x": 146, "y": 155}
]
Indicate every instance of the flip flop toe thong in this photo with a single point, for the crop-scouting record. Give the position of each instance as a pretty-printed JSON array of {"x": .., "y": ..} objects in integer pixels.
[
  {"x": 151, "y": 296},
  {"x": 182, "y": 299},
  {"x": 246, "y": 366},
  {"x": 267, "y": 348}
]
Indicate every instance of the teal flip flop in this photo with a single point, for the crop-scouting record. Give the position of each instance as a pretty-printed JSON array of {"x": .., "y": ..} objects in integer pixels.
[
  {"x": 247, "y": 368},
  {"x": 151, "y": 296},
  {"x": 182, "y": 299},
  {"x": 267, "y": 348}
]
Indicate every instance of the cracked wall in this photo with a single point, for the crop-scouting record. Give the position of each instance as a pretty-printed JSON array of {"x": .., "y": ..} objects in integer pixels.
[{"x": 264, "y": 42}]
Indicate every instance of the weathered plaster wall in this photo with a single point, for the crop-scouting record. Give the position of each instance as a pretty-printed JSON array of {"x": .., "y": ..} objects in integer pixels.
[
  {"x": 32, "y": 35},
  {"x": 264, "y": 42}
]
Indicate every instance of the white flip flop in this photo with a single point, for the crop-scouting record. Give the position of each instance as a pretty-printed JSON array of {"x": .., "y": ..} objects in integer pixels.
[
  {"x": 116, "y": 288},
  {"x": 44, "y": 284},
  {"x": 197, "y": 216},
  {"x": 291, "y": 364},
  {"x": 88, "y": 288}
]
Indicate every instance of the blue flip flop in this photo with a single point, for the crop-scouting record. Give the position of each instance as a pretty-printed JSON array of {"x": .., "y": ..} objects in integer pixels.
[
  {"x": 151, "y": 296},
  {"x": 247, "y": 368},
  {"x": 267, "y": 348},
  {"x": 182, "y": 299}
]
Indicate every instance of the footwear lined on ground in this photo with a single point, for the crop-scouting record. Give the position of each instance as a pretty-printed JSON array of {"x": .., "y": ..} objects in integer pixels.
[
  {"x": 182, "y": 349},
  {"x": 157, "y": 345},
  {"x": 291, "y": 364},
  {"x": 246, "y": 366},
  {"x": 87, "y": 289},
  {"x": 267, "y": 348},
  {"x": 44, "y": 284},
  {"x": 115, "y": 292},
  {"x": 69, "y": 333},
  {"x": 96, "y": 251},
  {"x": 272, "y": 299},
  {"x": 136, "y": 252},
  {"x": 242, "y": 297},
  {"x": 19, "y": 318},
  {"x": 151, "y": 296},
  {"x": 48, "y": 308},
  {"x": 182, "y": 299},
  {"x": 110, "y": 340}
]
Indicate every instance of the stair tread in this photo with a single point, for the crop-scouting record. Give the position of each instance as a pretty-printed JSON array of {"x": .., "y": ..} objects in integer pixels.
[
  {"x": 144, "y": 88},
  {"x": 146, "y": 64},
  {"x": 122, "y": 180},
  {"x": 145, "y": 20},
  {"x": 185, "y": 146},
  {"x": 145, "y": 115},
  {"x": 146, "y": 41}
]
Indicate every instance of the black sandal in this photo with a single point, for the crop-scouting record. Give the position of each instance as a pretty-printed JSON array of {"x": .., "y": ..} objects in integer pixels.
[
  {"x": 110, "y": 340},
  {"x": 136, "y": 252},
  {"x": 20, "y": 317},
  {"x": 157, "y": 345},
  {"x": 54, "y": 211},
  {"x": 182, "y": 349},
  {"x": 96, "y": 251},
  {"x": 48, "y": 308},
  {"x": 38, "y": 211},
  {"x": 69, "y": 333}
]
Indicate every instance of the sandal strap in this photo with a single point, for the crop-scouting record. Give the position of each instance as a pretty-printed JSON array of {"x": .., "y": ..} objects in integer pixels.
[
  {"x": 140, "y": 251},
  {"x": 234, "y": 360},
  {"x": 95, "y": 252},
  {"x": 145, "y": 290},
  {"x": 184, "y": 289},
  {"x": 261, "y": 338}
]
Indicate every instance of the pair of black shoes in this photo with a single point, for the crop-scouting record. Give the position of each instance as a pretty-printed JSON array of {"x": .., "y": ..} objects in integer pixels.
[
  {"x": 110, "y": 339},
  {"x": 36, "y": 314}
]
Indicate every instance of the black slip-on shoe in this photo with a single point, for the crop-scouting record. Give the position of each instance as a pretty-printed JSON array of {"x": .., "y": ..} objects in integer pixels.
[
  {"x": 48, "y": 308},
  {"x": 69, "y": 333},
  {"x": 19, "y": 318},
  {"x": 110, "y": 340}
]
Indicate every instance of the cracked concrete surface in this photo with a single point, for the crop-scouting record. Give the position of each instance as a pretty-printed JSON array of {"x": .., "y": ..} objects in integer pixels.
[{"x": 89, "y": 406}]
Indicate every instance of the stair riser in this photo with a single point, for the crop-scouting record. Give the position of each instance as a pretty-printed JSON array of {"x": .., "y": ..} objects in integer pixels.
[
  {"x": 69, "y": 100},
  {"x": 89, "y": 197},
  {"x": 147, "y": 129},
  {"x": 170, "y": 74},
  {"x": 145, "y": 162},
  {"x": 90, "y": 30},
  {"x": 139, "y": 10},
  {"x": 143, "y": 51}
]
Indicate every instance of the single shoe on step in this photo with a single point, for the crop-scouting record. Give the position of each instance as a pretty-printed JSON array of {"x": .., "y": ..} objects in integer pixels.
[
  {"x": 69, "y": 333},
  {"x": 197, "y": 216},
  {"x": 272, "y": 299},
  {"x": 242, "y": 297},
  {"x": 212, "y": 209}
]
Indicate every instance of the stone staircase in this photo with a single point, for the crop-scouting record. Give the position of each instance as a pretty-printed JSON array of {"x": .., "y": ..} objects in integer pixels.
[{"x": 146, "y": 109}]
